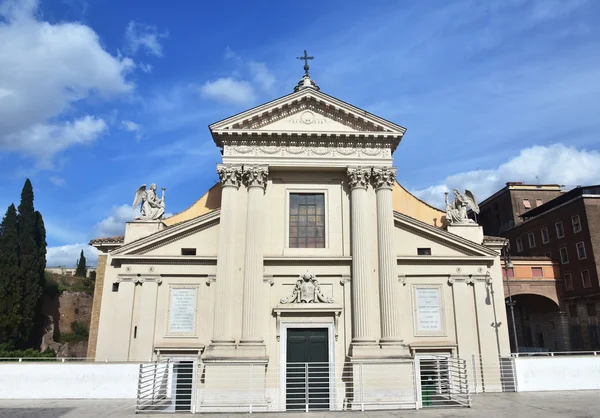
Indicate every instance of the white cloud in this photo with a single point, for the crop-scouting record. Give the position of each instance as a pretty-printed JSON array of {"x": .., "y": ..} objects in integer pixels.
[
  {"x": 45, "y": 69},
  {"x": 67, "y": 255},
  {"x": 45, "y": 140},
  {"x": 262, "y": 76},
  {"x": 114, "y": 224},
  {"x": 140, "y": 36},
  {"x": 229, "y": 90},
  {"x": 147, "y": 68},
  {"x": 131, "y": 126},
  {"x": 554, "y": 164},
  {"x": 57, "y": 181}
]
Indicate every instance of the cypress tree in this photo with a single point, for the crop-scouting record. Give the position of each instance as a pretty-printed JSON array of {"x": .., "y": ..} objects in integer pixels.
[
  {"x": 29, "y": 262},
  {"x": 40, "y": 241},
  {"x": 10, "y": 285},
  {"x": 81, "y": 270}
]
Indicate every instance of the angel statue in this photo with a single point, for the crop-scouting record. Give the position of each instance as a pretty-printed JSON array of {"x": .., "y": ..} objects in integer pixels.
[
  {"x": 456, "y": 212},
  {"x": 152, "y": 207}
]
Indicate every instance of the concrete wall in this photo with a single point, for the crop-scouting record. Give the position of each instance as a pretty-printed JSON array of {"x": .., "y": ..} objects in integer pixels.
[
  {"x": 68, "y": 381},
  {"x": 557, "y": 373}
]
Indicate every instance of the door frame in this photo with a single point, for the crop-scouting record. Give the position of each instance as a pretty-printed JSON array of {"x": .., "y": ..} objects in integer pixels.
[{"x": 284, "y": 326}]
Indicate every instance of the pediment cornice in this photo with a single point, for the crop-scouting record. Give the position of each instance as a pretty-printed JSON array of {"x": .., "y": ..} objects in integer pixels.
[{"x": 343, "y": 120}]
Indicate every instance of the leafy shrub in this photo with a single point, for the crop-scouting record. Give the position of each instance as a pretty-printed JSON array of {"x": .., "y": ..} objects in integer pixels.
[
  {"x": 7, "y": 350},
  {"x": 79, "y": 332}
]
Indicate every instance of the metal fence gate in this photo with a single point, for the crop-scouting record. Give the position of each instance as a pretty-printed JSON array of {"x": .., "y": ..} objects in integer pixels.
[{"x": 179, "y": 385}]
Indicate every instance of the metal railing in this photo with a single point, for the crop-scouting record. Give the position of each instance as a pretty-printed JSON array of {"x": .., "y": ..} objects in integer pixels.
[
  {"x": 491, "y": 374},
  {"x": 193, "y": 386}
]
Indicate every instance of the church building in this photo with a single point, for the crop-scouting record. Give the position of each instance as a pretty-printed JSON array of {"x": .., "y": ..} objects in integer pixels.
[{"x": 307, "y": 252}]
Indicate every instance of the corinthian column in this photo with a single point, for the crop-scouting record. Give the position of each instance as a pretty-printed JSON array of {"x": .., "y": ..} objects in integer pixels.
[
  {"x": 358, "y": 179},
  {"x": 383, "y": 181},
  {"x": 230, "y": 177},
  {"x": 255, "y": 179}
]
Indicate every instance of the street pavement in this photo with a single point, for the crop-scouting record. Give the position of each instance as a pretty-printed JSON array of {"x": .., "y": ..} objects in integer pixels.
[{"x": 581, "y": 404}]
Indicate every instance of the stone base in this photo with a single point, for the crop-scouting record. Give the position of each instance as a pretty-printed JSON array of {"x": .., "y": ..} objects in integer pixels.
[
  {"x": 472, "y": 232},
  {"x": 135, "y": 230},
  {"x": 249, "y": 352},
  {"x": 233, "y": 386},
  {"x": 383, "y": 384},
  {"x": 364, "y": 350}
]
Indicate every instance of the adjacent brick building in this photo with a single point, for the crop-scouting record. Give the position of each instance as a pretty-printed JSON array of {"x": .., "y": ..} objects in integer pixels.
[
  {"x": 502, "y": 210},
  {"x": 567, "y": 229}
]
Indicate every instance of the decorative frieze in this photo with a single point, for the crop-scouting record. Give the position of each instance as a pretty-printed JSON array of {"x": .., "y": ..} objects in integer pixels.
[
  {"x": 384, "y": 178},
  {"x": 255, "y": 176},
  {"x": 312, "y": 105},
  {"x": 308, "y": 149},
  {"x": 229, "y": 175},
  {"x": 139, "y": 279},
  {"x": 358, "y": 177}
]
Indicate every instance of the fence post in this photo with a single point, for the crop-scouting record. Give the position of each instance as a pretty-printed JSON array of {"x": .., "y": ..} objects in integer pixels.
[
  {"x": 362, "y": 389},
  {"x": 306, "y": 386},
  {"x": 251, "y": 385},
  {"x": 474, "y": 373},
  {"x": 153, "y": 384},
  {"x": 416, "y": 376}
]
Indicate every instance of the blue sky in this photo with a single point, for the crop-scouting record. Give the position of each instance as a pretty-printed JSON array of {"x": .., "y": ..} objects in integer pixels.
[{"x": 100, "y": 96}]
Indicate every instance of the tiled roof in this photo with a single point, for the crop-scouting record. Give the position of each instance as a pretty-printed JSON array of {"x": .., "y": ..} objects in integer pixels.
[
  {"x": 530, "y": 257},
  {"x": 108, "y": 240}
]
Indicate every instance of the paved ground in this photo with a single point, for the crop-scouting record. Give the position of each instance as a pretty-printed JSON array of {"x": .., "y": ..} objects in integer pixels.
[{"x": 500, "y": 405}]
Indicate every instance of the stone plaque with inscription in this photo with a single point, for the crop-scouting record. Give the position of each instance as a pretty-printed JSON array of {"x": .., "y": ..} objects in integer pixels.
[
  {"x": 428, "y": 310},
  {"x": 182, "y": 311}
]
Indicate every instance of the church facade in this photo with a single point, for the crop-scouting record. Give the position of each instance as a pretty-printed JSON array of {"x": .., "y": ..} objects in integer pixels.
[{"x": 307, "y": 251}]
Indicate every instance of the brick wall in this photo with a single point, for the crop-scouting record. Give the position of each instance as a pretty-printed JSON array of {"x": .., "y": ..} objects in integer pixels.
[{"x": 98, "y": 288}]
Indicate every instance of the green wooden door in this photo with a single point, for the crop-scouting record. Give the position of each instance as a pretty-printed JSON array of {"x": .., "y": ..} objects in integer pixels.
[{"x": 307, "y": 368}]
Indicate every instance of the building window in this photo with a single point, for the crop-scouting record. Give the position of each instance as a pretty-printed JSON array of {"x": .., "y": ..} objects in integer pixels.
[
  {"x": 573, "y": 311},
  {"x": 424, "y": 251},
  {"x": 591, "y": 308},
  {"x": 545, "y": 236},
  {"x": 188, "y": 251},
  {"x": 539, "y": 202},
  {"x": 576, "y": 223},
  {"x": 115, "y": 287},
  {"x": 510, "y": 273},
  {"x": 519, "y": 245},
  {"x": 526, "y": 204},
  {"x": 568, "y": 281},
  {"x": 564, "y": 255},
  {"x": 585, "y": 279},
  {"x": 537, "y": 272},
  {"x": 581, "y": 250},
  {"x": 560, "y": 231},
  {"x": 307, "y": 220},
  {"x": 531, "y": 239}
]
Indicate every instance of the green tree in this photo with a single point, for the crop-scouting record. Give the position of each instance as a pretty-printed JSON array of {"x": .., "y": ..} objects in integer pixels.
[
  {"x": 10, "y": 286},
  {"x": 29, "y": 259},
  {"x": 81, "y": 270}
]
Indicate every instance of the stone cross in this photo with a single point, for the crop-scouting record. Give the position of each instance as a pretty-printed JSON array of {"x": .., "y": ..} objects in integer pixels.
[{"x": 305, "y": 58}]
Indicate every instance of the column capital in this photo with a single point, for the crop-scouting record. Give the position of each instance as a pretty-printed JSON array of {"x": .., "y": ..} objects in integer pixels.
[
  {"x": 358, "y": 177},
  {"x": 229, "y": 175},
  {"x": 384, "y": 177},
  {"x": 255, "y": 176}
]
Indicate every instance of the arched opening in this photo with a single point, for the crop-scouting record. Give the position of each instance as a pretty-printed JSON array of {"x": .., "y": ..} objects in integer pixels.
[{"x": 540, "y": 325}]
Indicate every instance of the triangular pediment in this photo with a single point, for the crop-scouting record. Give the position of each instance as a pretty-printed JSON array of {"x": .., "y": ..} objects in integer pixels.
[
  {"x": 444, "y": 243},
  {"x": 197, "y": 232},
  {"x": 308, "y": 110}
]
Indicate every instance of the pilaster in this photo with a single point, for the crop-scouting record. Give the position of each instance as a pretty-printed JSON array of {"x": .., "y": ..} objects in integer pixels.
[
  {"x": 383, "y": 181},
  {"x": 363, "y": 339},
  {"x": 230, "y": 178},
  {"x": 252, "y": 343}
]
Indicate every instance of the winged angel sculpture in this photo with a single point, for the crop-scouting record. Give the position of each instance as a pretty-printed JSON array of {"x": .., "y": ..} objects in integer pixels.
[
  {"x": 152, "y": 207},
  {"x": 456, "y": 211}
]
